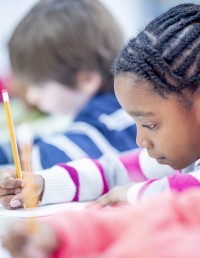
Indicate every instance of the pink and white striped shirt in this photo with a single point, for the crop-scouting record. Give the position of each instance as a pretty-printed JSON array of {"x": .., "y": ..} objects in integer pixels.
[{"x": 87, "y": 179}]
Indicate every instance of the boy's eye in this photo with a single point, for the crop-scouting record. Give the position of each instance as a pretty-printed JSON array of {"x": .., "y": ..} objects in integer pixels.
[{"x": 150, "y": 126}]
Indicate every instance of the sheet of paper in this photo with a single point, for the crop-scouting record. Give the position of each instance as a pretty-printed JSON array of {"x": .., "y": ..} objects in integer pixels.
[{"x": 43, "y": 210}]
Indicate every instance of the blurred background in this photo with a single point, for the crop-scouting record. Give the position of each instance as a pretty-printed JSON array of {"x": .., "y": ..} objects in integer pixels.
[{"x": 132, "y": 15}]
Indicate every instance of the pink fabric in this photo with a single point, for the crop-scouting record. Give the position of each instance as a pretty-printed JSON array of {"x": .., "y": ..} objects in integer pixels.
[
  {"x": 86, "y": 232},
  {"x": 167, "y": 226},
  {"x": 100, "y": 168},
  {"x": 4, "y": 84},
  {"x": 74, "y": 176},
  {"x": 132, "y": 165},
  {"x": 144, "y": 187},
  {"x": 180, "y": 182}
]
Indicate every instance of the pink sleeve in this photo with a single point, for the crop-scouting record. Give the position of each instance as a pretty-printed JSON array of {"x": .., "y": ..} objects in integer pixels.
[
  {"x": 81, "y": 233},
  {"x": 132, "y": 164},
  {"x": 177, "y": 182},
  {"x": 141, "y": 167}
]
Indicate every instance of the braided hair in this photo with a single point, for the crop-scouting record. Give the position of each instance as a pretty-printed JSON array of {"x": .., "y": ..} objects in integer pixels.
[{"x": 167, "y": 52}]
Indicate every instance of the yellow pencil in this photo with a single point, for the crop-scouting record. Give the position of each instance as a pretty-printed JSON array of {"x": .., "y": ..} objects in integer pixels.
[
  {"x": 25, "y": 140},
  {"x": 31, "y": 223},
  {"x": 12, "y": 133}
]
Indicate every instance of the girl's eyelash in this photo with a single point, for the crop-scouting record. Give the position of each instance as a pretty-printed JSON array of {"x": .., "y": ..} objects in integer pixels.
[{"x": 152, "y": 126}]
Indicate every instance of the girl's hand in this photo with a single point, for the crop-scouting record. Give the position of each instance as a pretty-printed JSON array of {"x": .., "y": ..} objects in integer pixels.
[
  {"x": 115, "y": 195},
  {"x": 14, "y": 193},
  {"x": 21, "y": 243}
]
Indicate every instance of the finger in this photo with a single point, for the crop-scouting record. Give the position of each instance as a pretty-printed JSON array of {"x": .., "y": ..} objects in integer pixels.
[
  {"x": 15, "y": 236},
  {"x": 100, "y": 202},
  {"x": 32, "y": 251},
  {"x": 10, "y": 182},
  {"x": 4, "y": 191},
  {"x": 104, "y": 200},
  {"x": 5, "y": 201},
  {"x": 17, "y": 201},
  {"x": 93, "y": 205}
]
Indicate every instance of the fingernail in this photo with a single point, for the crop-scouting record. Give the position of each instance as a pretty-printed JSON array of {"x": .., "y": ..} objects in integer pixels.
[
  {"x": 17, "y": 191},
  {"x": 15, "y": 203},
  {"x": 22, "y": 184}
]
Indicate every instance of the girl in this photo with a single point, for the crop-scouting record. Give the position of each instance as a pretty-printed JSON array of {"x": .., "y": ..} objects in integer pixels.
[{"x": 157, "y": 83}]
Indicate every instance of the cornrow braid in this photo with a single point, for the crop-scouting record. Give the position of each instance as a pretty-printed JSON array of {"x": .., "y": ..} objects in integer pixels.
[{"x": 167, "y": 52}]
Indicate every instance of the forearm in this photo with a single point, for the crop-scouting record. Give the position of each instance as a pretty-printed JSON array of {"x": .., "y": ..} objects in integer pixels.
[
  {"x": 177, "y": 182},
  {"x": 141, "y": 167},
  {"x": 81, "y": 180},
  {"x": 87, "y": 179}
]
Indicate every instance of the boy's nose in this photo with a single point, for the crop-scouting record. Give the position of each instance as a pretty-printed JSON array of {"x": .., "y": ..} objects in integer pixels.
[{"x": 32, "y": 96}]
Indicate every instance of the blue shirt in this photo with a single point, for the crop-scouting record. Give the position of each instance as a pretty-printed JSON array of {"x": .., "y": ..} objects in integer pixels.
[{"x": 101, "y": 127}]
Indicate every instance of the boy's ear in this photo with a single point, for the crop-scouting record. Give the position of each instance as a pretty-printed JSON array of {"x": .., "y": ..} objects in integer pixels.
[{"x": 88, "y": 82}]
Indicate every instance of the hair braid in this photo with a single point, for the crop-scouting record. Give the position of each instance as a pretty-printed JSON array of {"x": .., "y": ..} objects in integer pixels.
[{"x": 166, "y": 53}]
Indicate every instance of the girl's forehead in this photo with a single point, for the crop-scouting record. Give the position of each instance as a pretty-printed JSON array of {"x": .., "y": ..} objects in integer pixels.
[
  {"x": 132, "y": 84},
  {"x": 135, "y": 94}
]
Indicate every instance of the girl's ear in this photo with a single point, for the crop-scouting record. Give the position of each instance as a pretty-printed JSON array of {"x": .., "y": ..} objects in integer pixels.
[{"x": 88, "y": 82}]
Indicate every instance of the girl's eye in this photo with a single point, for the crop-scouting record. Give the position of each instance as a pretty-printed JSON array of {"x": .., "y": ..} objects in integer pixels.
[{"x": 151, "y": 126}]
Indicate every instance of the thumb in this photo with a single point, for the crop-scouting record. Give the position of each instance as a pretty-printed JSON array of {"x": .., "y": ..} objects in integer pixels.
[{"x": 17, "y": 201}]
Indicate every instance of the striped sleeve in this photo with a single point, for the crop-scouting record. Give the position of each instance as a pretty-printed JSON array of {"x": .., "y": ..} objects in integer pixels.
[
  {"x": 140, "y": 167},
  {"x": 81, "y": 139},
  {"x": 82, "y": 180},
  {"x": 176, "y": 182},
  {"x": 86, "y": 179}
]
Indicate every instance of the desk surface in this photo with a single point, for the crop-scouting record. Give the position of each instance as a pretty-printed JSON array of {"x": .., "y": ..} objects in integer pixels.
[{"x": 6, "y": 216}]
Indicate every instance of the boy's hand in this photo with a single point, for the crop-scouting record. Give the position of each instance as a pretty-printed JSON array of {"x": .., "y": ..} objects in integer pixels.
[
  {"x": 14, "y": 193},
  {"x": 22, "y": 244},
  {"x": 115, "y": 195}
]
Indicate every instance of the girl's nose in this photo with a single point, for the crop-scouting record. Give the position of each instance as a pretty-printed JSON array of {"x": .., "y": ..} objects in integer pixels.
[{"x": 143, "y": 141}]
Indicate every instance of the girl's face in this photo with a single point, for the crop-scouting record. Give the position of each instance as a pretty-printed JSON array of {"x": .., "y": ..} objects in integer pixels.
[{"x": 169, "y": 131}]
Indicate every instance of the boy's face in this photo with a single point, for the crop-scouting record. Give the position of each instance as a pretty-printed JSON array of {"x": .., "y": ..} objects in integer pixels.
[
  {"x": 169, "y": 131},
  {"x": 54, "y": 98}
]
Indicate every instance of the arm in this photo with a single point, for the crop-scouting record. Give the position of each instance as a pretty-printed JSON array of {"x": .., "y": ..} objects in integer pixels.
[
  {"x": 87, "y": 179},
  {"x": 82, "y": 180},
  {"x": 177, "y": 182}
]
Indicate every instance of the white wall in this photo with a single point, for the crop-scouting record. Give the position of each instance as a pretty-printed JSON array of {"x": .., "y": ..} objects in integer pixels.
[
  {"x": 132, "y": 15},
  {"x": 128, "y": 13},
  {"x": 11, "y": 12},
  {"x": 125, "y": 11}
]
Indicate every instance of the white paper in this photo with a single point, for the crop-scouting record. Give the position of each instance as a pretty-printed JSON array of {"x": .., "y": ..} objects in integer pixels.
[{"x": 41, "y": 211}]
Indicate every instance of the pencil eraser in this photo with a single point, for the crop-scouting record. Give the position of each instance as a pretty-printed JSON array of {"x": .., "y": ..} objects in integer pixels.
[{"x": 5, "y": 95}]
